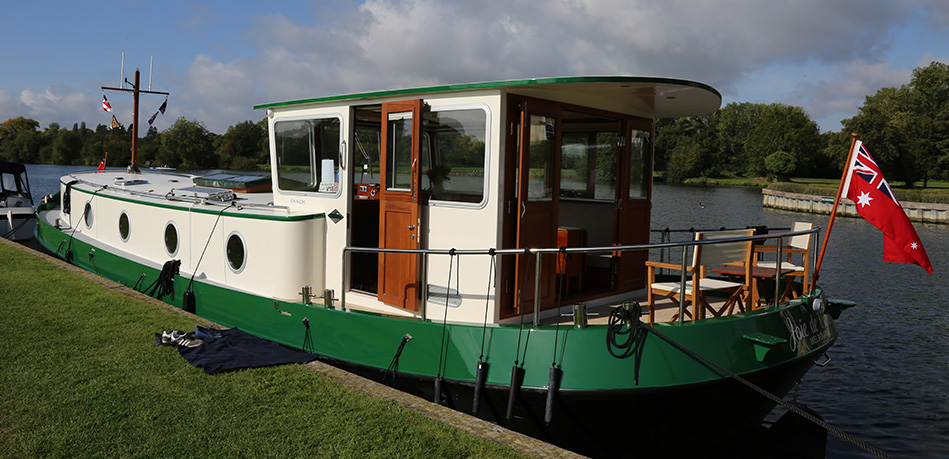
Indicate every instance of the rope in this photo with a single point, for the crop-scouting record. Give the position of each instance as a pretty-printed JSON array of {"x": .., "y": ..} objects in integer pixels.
[
  {"x": 307, "y": 339},
  {"x": 394, "y": 364},
  {"x": 441, "y": 350},
  {"x": 206, "y": 244},
  {"x": 81, "y": 219},
  {"x": 487, "y": 296},
  {"x": 14, "y": 230},
  {"x": 774, "y": 398},
  {"x": 517, "y": 352},
  {"x": 633, "y": 342},
  {"x": 164, "y": 285}
]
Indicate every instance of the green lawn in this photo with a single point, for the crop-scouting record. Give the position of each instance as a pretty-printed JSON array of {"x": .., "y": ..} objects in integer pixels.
[
  {"x": 81, "y": 377},
  {"x": 936, "y": 192}
]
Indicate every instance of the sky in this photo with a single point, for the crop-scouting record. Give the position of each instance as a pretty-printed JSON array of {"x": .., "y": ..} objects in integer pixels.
[{"x": 220, "y": 58}]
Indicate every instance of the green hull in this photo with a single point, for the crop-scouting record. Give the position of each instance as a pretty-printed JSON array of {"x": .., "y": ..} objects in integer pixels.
[
  {"x": 774, "y": 346},
  {"x": 371, "y": 340}
]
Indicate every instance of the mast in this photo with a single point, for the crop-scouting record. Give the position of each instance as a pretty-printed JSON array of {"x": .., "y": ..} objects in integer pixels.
[{"x": 135, "y": 92}]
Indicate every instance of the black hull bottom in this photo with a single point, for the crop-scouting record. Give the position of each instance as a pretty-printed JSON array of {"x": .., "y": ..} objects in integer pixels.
[{"x": 715, "y": 419}]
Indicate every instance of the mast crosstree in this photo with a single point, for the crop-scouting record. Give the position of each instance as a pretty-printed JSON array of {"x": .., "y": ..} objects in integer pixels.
[{"x": 135, "y": 93}]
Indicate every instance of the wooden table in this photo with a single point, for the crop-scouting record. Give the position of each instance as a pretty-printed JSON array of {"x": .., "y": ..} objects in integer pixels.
[{"x": 756, "y": 273}]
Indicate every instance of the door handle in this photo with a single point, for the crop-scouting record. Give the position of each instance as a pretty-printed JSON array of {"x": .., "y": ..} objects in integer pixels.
[{"x": 411, "y": 227}]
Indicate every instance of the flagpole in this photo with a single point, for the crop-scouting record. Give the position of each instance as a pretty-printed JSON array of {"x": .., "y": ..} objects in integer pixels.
[{"x": 833, "y": 212}]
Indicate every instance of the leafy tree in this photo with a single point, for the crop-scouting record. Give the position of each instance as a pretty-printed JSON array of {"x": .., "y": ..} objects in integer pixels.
[
  {"x": 66, "y": 147},
  {"x": 13, "y": 126},
  {"x": 881, "y": 124},
  {"x": 22, "y": 147},
  {"x": 187, "y": 144},
  {"x": 780, "y": 165},
  {"x": 927, "y": 121},
  {"x": 733, "y": 125},
  {"x": 690, "y": 147},
  {"x": 781, "y": 128},
  {"x": 244, "y": 146}
]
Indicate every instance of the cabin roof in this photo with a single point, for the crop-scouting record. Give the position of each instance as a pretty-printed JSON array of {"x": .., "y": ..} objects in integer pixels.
[{"x": 652, "y": 97}]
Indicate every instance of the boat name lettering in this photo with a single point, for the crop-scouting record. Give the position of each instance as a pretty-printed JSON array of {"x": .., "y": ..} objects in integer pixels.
[
  {"x": 806, "y": 334},
  {"x": 301, "y": 202}
]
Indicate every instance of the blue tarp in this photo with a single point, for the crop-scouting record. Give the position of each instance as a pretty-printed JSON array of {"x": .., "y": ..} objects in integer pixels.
[{"x": 233, "y": 349}]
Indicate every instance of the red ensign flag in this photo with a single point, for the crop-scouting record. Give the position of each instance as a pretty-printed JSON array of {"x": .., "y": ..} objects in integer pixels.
[{"x": 876, "y": 202}]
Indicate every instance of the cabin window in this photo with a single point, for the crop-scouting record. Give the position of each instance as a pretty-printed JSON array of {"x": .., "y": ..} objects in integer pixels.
[
  {"x": 124, "y": 226},
  {"x": 639, "y": 157},
  {"x": 399, "y": 155},
  {"x": 589, "y": 156},
  {"x": 308, "y": 154},
  {"x": 87, "y": 214},
  {"x": 543, "y": 141},
  {"x": 171, "y": 238},
  {"x": 236, "y": 251},
  {"x": 453, "y": 154}
]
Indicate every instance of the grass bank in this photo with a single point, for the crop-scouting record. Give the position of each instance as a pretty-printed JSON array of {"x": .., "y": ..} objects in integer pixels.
[
  {"x": 81, "y": 377},
  {"x": 937, "y": 192}
]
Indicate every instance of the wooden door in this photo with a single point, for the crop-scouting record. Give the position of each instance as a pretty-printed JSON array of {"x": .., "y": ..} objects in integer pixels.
[
  {"x": 634, "y": 203},
  {"x": 399, "y": 203},
  {"x": 538, "y": 198}
]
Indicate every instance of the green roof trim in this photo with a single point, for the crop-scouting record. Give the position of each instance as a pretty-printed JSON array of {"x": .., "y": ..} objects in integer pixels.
[{"x": 495, "y": 85}]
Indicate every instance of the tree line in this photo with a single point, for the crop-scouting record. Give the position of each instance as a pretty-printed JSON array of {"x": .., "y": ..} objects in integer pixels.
[
  {"x": 906, "y": 129},
  {"x": 187, "y": 144}
]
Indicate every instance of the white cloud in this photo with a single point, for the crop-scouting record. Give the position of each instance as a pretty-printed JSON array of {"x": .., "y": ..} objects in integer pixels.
[
  {"x": 60, "y": 105},
  {"x": 383, "y": 44},
  {"x": 838, "y": 96}
]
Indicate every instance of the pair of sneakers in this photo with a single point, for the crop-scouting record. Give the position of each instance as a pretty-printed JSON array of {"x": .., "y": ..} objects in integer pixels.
[{"x": 180, "y": 338}]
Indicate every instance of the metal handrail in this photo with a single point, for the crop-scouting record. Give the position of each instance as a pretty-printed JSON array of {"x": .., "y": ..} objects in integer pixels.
[{"x": 573, "y": 250}]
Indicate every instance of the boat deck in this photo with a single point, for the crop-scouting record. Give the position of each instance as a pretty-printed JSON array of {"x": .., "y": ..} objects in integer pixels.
[
  {"x": 169, "y": 187},
  {"x": 599, "y": 314}
]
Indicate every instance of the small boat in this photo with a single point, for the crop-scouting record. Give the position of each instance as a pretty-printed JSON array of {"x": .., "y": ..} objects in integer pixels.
[
  {"x": 16, "y": 204},
  {"x": 435, "y": 239}
]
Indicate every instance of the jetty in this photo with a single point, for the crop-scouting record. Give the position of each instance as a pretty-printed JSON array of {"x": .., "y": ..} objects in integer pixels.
[{"x": 928, "y": 212}]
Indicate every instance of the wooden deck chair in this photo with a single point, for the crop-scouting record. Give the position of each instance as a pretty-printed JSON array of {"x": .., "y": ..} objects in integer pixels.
[
  {"x": 797, "y": 245},
  {"x": 704, "y": 256}
]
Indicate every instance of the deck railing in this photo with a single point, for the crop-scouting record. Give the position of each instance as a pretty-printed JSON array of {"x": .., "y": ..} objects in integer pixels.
[{"x": 683, "y": 246}]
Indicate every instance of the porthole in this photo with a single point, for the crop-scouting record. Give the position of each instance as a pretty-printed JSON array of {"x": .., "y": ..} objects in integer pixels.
[
  {"x": 87, "y": 214},
  {"x": 171, "y": 238},
  {"x": 124, "y": 226},
  {"x": 236, "y": 251}
]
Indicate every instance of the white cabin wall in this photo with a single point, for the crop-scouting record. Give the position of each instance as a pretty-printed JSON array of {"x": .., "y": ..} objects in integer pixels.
[
  {"x": 319, "y": 249},
  {"x": 468, "y": 226},
  {"x": 457, "y": 225}
]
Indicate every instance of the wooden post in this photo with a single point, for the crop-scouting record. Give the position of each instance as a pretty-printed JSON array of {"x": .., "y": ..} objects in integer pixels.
[
  {"x": 135, "y": 93},
  {"x": 833, "y": 213}
]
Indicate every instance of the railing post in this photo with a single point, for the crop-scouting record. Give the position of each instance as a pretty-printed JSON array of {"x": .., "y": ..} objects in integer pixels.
[
  {"x": 779, "y": 265},
  {"x": 423, "y": 284},
  {"x": 344, "y": 287},
  {"x": 685, "y": 253},
  {"x": 537, "y": 291}
]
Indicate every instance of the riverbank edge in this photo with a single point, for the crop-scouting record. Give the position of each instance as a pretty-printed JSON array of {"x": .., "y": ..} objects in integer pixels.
[
  {"x": 463, "y": 421},
  {"x": 916, "y": 211}
]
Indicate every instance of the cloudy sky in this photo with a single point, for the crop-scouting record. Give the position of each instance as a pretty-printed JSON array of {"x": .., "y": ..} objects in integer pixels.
[{"x": 218, "y": 59}]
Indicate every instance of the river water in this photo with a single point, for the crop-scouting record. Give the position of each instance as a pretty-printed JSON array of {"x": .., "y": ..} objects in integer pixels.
[{"x": 888, "y": 381}]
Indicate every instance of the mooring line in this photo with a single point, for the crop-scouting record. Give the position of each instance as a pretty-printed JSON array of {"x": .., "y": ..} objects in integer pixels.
[{"x": 794, "y": 409}]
